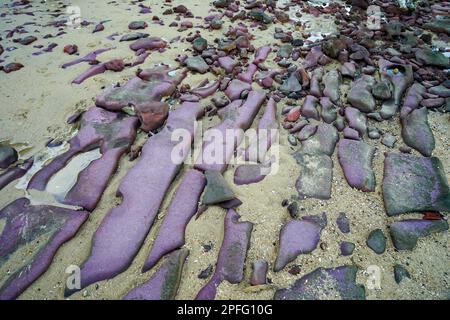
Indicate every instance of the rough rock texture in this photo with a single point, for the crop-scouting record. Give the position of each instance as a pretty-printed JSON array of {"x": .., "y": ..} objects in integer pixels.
[
  {"x": 413, "y": 183},
  {"x": 324, "y": 283},
  {"x": 377, "y": 241},
  {"x": 217, "y": 189},
  {"x": 360, "y": 95},
  {"x": 316, "y": 171}
]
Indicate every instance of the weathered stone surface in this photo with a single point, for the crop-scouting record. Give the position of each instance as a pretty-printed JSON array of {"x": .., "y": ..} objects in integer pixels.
[
  {"x": 299, "y": 237},
  {"x": 377, "y": 241},
  {"x": 347, "y": 248},
  {"x": 197, "y": 64},
  {"x": 291, "y": 84},
  {"x": 432, "y": 58},
  {"x": 400, "y": 273},
  {"x": 316, "y": 171},
  {"x": 331, "y": 81},
  {"x": 164, "y": 283},
  {"x": 406, "y": 233},
  {"x": 414, "y": 184},
  {"x": 323, "y": 141},
  {"x": 416, "y": 131},
  {"x": 356, "y": 158},
  {"x": 329, "y": 110},
  {"x": 401, "y": 77},
  {"x": 259, "y": 274},
  {"x": 8, "y": 156},
  {"x": 356, "y": 120},
  {"x": 250, "y": 173},
  {"x": 309, "y": 108},
  {"x": 360, "y": 95},
  {"x": 343, "y": 223},
  {"x": 144, "y": 93},
  {"x": 324, "y": 283},
  {"x": 217, "y": 189}
]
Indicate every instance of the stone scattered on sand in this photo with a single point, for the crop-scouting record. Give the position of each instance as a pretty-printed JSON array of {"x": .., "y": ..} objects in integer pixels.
[
  {"x": 347, "y": 248},
  {"x": 164, "y": 283},
  {"x": 11, "y": 67},
  {"x": 414, "y": 184},
  {"x": 259, "y": 274},
  {"x": 343, "y": 223},
  {"x": 324, "y": 283},
  {"x": 328, "y": 110},
  {"x": 182, "y": 208},
  {"x": 8, "y": 155},
  {"x": 217, "y": 189},
  {"x": 250, "y": 173},
  {"x": 309, "y": 108},
  {"x": 291, "y": 84},
  {"x": 356, "y": 158},
  {"x": 235, "y": 88},
  {"x": 197, "y": 64},
  {"x": 377, "y": 241},
  {"x": 400, "y": 273},
  {"x": 416, "y": 131},
  {"x": 299, "y": 237},
  {"x": 136, "y": 25},
  {"x": 389, "y": 140},
  {"x": 406, "y": 233}
]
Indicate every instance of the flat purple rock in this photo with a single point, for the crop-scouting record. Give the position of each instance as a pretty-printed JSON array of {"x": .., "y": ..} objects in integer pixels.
[
  {"x": 406, "y": 233},
  {"x": 182, "y": 208},
  {"x": 416, "y": 131},
  {"x": 235, "y": 88},
  {"x": 114, "y": 133},
  {"x": 163, "y": 285},
  {"x": 331, "y": 81},
  {"x": 299, "y": 237},
  {"x": 232, "y": 255},
  {"x": 221, "y": 140},
  {"x": 26, "y": 223},
  {"x": 356, "y": 120},
  {"x": 250, "y": 173},
  {"x": 259, "y": 274},
  {"x": 414, "y": 184},
  {"x": 356, "y": 158},
  {"x": 324, "y": 283},
  {"x": 134, "y": 217}
]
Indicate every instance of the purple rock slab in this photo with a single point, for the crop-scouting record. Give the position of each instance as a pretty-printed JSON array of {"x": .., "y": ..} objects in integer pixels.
[
  {"x": 298, "y": 237},
  {"x": 414, "y": 184},
  {"x": 26, "y": 223},
  {"x": 356, "y": 158},
  {"x": 142, "y": 191},
  {"x": 232, "y": 255},
  {"x": 164, "y": 283},
  {"x": 406, "y": 233},
  {"x": 182, "y": 208}
]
